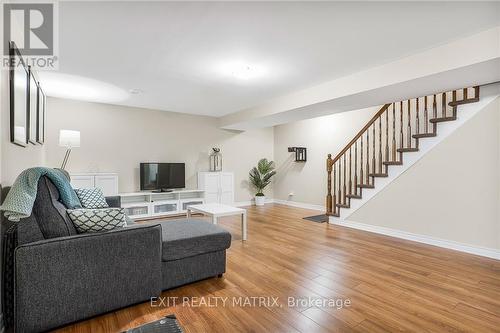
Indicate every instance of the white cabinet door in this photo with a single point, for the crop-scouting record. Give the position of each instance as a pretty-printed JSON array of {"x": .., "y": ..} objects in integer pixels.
[
  {"x": 212, "y": 185},
  {"x": 137, "y": 211},
  {"x": 226, "y": 188},
  {"x": 164, "y": 207},
  {"x": 218, "y": 187},
  {"x": 82, "y": 181},
  {"x": 108, "y": 184},
  {"x": 226, "y": 198}
]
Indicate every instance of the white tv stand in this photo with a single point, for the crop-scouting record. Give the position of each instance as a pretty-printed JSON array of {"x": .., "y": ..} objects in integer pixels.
[{"x": 143, "y": 205}]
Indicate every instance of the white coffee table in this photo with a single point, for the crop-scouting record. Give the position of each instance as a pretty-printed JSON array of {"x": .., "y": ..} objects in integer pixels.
[{"x": 216, "y": 210}]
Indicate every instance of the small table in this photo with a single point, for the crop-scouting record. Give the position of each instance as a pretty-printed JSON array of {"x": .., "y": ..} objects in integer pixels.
[{"x": 216, "y": 210}]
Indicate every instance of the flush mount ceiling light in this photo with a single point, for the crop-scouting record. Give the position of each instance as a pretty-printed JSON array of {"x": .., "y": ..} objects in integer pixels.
[
  {"x": 81, "y": 88},
  {"x": 242, "y": 70},
  {"x": 136, "y": 91}
]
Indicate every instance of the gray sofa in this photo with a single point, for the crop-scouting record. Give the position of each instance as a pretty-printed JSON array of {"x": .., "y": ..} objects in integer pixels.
[{"x": 53, "y": 276}]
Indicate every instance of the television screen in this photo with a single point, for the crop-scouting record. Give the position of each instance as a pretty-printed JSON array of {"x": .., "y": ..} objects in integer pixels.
[{"x": 157, "y": 176}]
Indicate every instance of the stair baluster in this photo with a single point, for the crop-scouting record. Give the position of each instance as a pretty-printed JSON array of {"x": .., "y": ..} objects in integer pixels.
[
  {"x": 434, "y": 108},
  {"x": 361, "y": 174},
  {"x": 345, "y": 183},
  {"x": 356, "y": 168},
  {"x": 394, "y": 132},
  {"x": 401, "y": 137},
  {"x": 339, "y": 191},
  {"x": 367, "y": 157},
  {"x": 417, "y": 119},
  {"x": 386, "y": 138},
  {"x": 408, "y": 128},
  {"x": 374, "y": 164},
  {"x": 380, "y": 145},
  {"x": 334, "y": 198},
  {"x": 443, "y": 105},
  {"x": 426, "y": 116},
  {"x": 453, "y": 100},
  {"x": 350, "y": 171}
]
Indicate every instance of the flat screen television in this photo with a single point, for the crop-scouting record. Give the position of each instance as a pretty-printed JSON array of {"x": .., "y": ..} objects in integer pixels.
[{"x": 162, "y": 176}]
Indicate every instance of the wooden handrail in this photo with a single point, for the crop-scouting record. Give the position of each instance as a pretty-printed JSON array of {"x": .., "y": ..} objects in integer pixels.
[{"x": 363, "y": 130}]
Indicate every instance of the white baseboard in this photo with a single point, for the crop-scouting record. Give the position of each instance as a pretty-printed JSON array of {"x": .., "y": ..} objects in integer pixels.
[
  {"x": 243, "y": 203},
  {"x": 250, "y": 202},
  {"x": 448, "y": 244},
  {"x": 300, "y": 205},
  {"x": 283, "y": 202}
]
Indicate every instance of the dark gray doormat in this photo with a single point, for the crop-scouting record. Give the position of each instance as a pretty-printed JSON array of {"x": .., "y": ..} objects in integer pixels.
[
  {"x": 167, "y": 324},
  {"x": 317, "y": 218}
]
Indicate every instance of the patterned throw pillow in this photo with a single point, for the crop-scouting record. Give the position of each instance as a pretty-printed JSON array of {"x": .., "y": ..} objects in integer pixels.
[
  {"x": 96, "y": 220},
  {"x": 91, "y": 198}
]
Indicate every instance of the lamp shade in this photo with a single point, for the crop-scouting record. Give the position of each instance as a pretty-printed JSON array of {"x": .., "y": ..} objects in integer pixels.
[{"x": 69, "y": 139}]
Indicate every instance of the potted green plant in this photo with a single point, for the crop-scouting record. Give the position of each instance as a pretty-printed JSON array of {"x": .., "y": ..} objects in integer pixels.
[{"x": 260, "y": 177}]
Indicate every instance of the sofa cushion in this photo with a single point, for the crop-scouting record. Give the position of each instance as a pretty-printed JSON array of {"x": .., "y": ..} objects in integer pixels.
[
  {"x": 190, "y": 237},
  {"x": 91, "y": 198},
  {"x": 97, "y": 220}
]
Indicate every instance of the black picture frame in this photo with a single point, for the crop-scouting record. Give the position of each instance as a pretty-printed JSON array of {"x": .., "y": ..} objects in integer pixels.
[
  {"x": 19, "y": 97},
  {"x": 42, "y": 103},
  {"x": 33, "y": 108}
]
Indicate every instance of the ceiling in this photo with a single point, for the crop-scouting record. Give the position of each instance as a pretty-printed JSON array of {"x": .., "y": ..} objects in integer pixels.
[{"x": 172, "y": 52}]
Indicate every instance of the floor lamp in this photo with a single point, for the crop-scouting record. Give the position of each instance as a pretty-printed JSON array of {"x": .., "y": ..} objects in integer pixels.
[{"x": 69, "y": 139}]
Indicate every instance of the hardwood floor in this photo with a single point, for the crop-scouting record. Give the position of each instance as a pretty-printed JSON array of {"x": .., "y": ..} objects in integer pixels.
[{"x": 392, "y": 284}]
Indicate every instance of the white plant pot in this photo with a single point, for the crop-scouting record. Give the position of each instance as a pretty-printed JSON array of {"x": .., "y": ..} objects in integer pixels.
[{"x": 260, "y": 200}]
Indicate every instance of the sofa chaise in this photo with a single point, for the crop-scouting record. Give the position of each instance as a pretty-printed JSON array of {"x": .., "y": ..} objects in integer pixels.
[{"x": 53, "y": 276}]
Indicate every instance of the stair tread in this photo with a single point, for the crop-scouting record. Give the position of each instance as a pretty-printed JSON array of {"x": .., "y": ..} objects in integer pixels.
[
  {"x": 378, "y": 175},
  {"x": 393, "y": 163},
  {"x": 424, "y": 135},
  {"x": 407, "y": 150},
  {"x": 354, "y": 196},
  {"x": 464, "y": 101},
  {"x": 366, "y": 186},
  {"x": 442, "y": 119},
  {"x": 343, "y": 205}
]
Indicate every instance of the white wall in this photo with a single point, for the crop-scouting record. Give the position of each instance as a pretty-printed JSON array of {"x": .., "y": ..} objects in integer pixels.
[
  {"x": 117, "y": 138},
  {"x": 321, "y": 136},
  {"x": 452, "y": 193}
]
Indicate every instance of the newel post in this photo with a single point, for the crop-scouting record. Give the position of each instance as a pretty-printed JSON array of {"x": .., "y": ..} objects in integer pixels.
[{"x": 329, "y": 199}]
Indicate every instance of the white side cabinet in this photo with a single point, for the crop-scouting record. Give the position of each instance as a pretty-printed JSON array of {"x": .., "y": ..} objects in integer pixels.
[
  {"x": 107, "y": 182},
  {"x": 218, "y": 187}
]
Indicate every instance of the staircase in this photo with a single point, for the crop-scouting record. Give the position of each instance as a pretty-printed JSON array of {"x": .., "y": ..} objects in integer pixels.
[{"x": 394, "y": 131}]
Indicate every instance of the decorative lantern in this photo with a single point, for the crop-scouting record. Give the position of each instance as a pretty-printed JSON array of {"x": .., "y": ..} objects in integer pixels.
[{"x": 216, "y": 160}]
